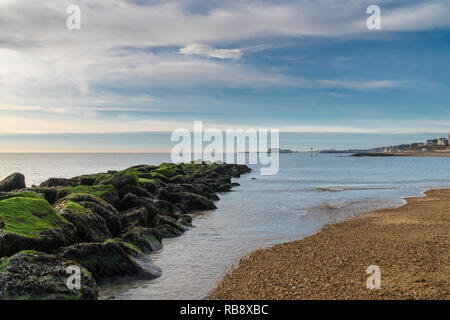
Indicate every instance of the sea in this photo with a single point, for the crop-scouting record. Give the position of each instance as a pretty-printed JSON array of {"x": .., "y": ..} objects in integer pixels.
[{"x": 309, "y": 191}]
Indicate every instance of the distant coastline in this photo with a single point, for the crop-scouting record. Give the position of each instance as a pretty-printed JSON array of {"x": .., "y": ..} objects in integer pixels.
[{"x": 442, "y": 154}]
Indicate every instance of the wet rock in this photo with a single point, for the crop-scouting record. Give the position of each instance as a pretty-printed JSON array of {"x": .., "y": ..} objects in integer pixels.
[
  {"x": 36, "y": 275},
  {"x": 163, "y": 207},
  {"x": 146, "y": 239},
  {"x": 135, "y": 217},
  {"x": 185, "y": 220},
  {"x": 160, "y": 220},
  {"x": 13, "y": 182},
  {"x": 181, "y": 179},
  {"x": 144, "y": 168},
  {"x": 168, "y": 231},
  {"x": 86, "y": 180},
  {"x": 136, "y": 190},
  {"x": 192, "y": 201},
  {"x": 59, "y": 182},
  {"x": 121, "y": 179},
  {"x": 110, "y": 260},
  {"x": 163, "y": 194},
  {"x": 224, "y": 187},
  {"x": 132, "y": 201},
  {"x": 90, "y": 226},
  {"x": 101, "y": 208},
  {"x": 179, "y": 208},
  {"x": 104, "y": 192}
]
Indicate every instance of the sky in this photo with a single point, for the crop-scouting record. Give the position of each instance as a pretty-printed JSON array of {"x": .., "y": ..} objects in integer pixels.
[{"x": 153, "y": 66}]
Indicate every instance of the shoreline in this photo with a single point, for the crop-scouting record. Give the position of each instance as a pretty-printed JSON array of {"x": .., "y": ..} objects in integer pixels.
[
  {"x": 409, "y": 243},
  {"x": 438, "y": 154}
]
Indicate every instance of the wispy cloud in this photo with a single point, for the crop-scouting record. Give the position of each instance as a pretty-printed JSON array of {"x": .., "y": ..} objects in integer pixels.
[
  {"x": 361, "y": 85},
  {"x": 208, "y": 51}
]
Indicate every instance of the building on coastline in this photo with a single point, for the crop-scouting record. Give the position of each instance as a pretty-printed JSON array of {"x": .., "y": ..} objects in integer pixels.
[
  {"x": 442, "y": 142},
  {"x": 432, "y": 142}
]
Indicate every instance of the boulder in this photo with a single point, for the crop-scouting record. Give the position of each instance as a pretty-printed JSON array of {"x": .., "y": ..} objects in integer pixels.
[
  {"x": 185, "y": 220},
  {"x": 13, "y": 182},
  {"x": 104, "y": 192},
  {"x": 163, "y": 207},
  {"x": 28, "y": 222},
  {"x": 151, "y": 185},
  {"x": 226, "y": 187},
  {"x": 146, "y": 239},
  {"x": 36, "y": 275},
  {"x": 168, "y": 231},
  {"x": 135, "y": 217},
  {"x": 90, "y": 226},
  {"x": 136, "y": 190},
  {"x": 181, "y": 178},
  {"x": 121, "y": 179},
  {"x": 192, "y": 201},
  {"x": 111, "y": 260},
  {"x": 160, "y": 220},
  {"x": 144, "y": 168},
  {"x": 59, "y": 182},
  {"x": 101, "y": 208}
]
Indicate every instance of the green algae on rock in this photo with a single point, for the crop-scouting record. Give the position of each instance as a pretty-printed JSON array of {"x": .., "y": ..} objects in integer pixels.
[
  {"x": 90, "y": 226},
  {"x": 109, "y": 260},
  {"x": 146, "y": 239},
  {"x": 32, "y": 275},
  {"x": 29, "y": 222}
]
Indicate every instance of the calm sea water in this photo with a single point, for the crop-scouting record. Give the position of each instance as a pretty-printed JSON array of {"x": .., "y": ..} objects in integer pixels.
[{"x": 308, "y": 192}]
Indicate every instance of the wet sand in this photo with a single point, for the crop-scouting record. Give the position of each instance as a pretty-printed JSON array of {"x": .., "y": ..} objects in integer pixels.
[{"x": 410, "y": 245}]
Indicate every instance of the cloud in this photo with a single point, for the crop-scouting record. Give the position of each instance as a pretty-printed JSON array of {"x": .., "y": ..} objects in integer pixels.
[
  {"x": 116, "y": 62},
  {"x": 208, "y": 51},
  {"x": 361, "y": 85}
]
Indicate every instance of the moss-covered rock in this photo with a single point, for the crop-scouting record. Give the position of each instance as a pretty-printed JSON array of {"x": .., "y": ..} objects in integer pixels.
[
  {"x": 163, "y": 207},
  {"x": 121, "y": 178},
  {"x": 137, "y": 190},
  {"x": 135, "y": 217},
  {"x": 99, "y": 207},
  {"x": 160, "y": 220},
  {"x": 144, "y": 168},
  {"x": 146, "y": 239},
  {"x": 13, "y": 182},
  {"x": 159, "y": 176},
  {"x": 21, "y": 194},
  {"x": 91, "y": 179},
  {"x": 32, "y": 275},
  {"x": 168, "y": 170},
  {"x": 168, "y": 231},
  {"x": 59, "y": 182},
  {"x": 90, "y": 226},
  {"x": 106, "y": 192},
  {"x": 48, "y": 193},
  {"x": 110, "y": 260},
  {"x": 151, "y": 185},
  {"x": 181, "y": 178},
  {"x": 192, "y": 201},
  {"x": 29, "y": 222}
]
